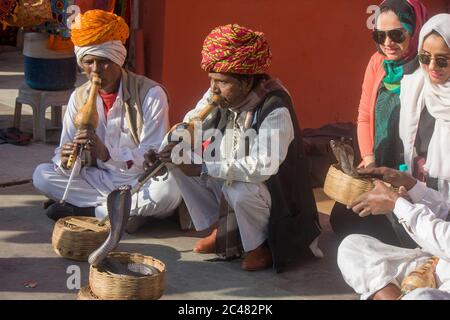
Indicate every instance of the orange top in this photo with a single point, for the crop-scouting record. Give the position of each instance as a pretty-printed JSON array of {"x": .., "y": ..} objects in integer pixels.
[{"x": 366, "y": 114}]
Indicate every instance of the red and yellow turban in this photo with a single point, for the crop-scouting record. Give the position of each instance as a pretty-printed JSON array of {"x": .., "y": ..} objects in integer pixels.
[
  {"x": 100, "y": 33},
  {"x": 235, "y": 49}
]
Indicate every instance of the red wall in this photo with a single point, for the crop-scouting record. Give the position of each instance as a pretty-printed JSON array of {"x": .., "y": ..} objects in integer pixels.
[{"x": 320, "y": 49}]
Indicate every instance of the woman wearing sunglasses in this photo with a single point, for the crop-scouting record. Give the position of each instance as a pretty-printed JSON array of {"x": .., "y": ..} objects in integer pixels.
[
  {"x": 372, "y": 268},
  {"x": 396, "y": 36},
  {"x": 425, "y": 101}
]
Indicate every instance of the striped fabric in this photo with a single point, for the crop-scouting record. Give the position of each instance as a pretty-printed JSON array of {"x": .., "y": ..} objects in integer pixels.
[{"x": 235, "y": 49}]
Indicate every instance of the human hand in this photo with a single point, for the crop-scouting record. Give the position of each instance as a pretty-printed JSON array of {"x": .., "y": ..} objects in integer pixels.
[
  {"x": 66, "y": 151},
  {"x": 191, "y": 170},
  {"x": 166, "y": 154},
  {"x": 394, "y": 177},
  {"x": 152, "y": 161},
  {"x": 369, "y": 162},
  {"x": 92, "y": 142},
  {"x": 380, "y": 201}
]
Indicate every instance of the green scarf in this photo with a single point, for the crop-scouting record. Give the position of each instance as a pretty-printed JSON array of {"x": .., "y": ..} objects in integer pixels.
[
  {"x": 394, "y": 74},
  {"x": 394, "y": 69}
]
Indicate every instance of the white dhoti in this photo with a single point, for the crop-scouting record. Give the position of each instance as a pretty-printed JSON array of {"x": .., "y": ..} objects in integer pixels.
[
  {"x": 368, "y": 265},
  {"x": 156, "y": 199},
  {"x": 251, "y": 203},
  {"x": 427, "y": 294}
]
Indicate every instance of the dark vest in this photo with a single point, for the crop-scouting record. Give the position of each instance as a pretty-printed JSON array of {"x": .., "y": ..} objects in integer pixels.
[{"x": 294, "y": 221}]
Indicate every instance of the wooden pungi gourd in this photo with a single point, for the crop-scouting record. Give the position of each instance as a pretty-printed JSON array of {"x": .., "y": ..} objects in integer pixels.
[
  {"x": 422, "y": 277},
  {"x": 86, "y": 118}
]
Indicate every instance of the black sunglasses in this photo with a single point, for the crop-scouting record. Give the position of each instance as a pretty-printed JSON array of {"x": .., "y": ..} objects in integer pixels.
[
  {"x": 441, "y": 62},
  {"x": 396, "y": 35}
]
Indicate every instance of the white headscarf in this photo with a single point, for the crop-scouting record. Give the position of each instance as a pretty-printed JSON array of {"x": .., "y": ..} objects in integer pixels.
[
  {"x": 437, "y": 101},
  {"x": 112, "y": 50}
]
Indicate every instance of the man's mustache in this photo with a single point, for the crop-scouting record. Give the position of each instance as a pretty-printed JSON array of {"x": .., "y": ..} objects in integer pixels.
[{"x": 224, "y": 103}]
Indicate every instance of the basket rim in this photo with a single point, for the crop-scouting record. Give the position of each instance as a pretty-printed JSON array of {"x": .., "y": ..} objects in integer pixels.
[
  {"x": 344, "y": 188},
  {"x": 116, "y": 254},
  {"x": 62, "y": 222}
]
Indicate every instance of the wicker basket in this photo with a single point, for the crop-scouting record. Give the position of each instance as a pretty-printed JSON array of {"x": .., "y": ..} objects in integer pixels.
[
  {"x": 121, "y": 287},
  {"x": 86, "y": 294},
  {"x": 76, "y": 238},
  {"x": 343, "y": 188}
]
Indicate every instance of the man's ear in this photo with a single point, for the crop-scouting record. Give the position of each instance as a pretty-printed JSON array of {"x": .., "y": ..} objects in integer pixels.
[{"x": 247, "y": 84}]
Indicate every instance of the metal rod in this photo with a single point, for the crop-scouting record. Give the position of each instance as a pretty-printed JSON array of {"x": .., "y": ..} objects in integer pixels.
[{"x": 75, "y": 170}]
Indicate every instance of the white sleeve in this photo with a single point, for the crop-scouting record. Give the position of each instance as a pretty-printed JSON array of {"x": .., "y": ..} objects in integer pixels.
[
  {"x": 429, "y": 231},
  {"x": 155, "y": 112},
  {"x": 68, "y": 133},
  {"x": 434, "y": 200},
  {"x": 267, "y": 152},
  {"x": 203, "y": 101}
]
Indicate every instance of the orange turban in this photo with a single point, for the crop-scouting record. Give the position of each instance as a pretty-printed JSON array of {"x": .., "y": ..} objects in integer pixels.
[{"x": 97, "y": 27}]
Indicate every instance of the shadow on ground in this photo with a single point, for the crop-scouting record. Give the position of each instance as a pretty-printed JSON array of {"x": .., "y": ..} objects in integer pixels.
[{"x": 27, "y": 255}]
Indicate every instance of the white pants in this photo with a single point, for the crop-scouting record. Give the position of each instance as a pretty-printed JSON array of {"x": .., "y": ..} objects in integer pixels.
[
  {"x": 368, "y": 265},
  {"x": 427, "y": 294},
  {"x": 157, "y": 199},
  {"x": 251, "y": 203}
]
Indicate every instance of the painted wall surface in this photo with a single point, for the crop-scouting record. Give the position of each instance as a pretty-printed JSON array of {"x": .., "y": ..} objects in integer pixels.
[{"x": 320, "y": 49}]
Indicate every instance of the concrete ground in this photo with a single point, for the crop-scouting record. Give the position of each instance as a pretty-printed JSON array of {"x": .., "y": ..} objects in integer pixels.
[{"x": 29, "y": 269}]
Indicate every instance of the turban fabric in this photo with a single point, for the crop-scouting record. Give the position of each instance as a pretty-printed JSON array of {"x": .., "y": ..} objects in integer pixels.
[
  {"x": 98, "y": 26},
  {"x": 235, "y": 49},
  {"x": 112, "y": 50},
  {"x": 102, "y": 34}
]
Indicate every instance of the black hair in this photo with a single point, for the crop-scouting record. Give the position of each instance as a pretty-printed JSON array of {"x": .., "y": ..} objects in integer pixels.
[
  {"x": 433, "y": 32},
  {"x": 248, "y": 77}
]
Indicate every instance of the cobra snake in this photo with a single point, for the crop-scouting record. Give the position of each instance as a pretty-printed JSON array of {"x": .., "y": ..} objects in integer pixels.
[{"x": 119, "y": 207}]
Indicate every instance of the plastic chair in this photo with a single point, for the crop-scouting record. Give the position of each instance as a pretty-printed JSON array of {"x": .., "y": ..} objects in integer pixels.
[{"x": 39, "y": 102}]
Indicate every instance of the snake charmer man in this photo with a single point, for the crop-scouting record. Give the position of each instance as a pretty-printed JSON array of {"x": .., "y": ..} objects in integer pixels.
[
  {"x": 133, "y": 115},
  {"x": 266, "y": 189}
]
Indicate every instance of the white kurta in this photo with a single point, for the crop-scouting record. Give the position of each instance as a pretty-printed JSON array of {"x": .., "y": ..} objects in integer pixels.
[
  {"x": 368, "y": 265},
  {"x": 263, "y": 160},
  {"x": 94, "y": 184},
  {"x": 241, "y": 180},
  {"x": 251, "y": 203}
]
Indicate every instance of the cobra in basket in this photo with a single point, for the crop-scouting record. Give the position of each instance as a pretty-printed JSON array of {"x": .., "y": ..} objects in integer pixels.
[
  {"x": 344, "y": 188},
  {"x": 116, "y": 275},
  {"x": 143, "y": 277},
  {"x": 343, "y": 184},
  {"x": 120, "y": 275}
]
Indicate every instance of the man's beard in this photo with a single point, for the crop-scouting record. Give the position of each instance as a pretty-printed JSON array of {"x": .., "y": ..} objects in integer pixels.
[{"x": 225, "y": 104}]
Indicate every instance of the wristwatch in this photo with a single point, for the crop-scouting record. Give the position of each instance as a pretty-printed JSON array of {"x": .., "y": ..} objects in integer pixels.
[{"x": 204, "y": 173}]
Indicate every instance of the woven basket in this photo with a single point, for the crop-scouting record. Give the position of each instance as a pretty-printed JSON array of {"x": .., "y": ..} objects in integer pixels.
[
  {"x": 76, "y": 238},
  {"x": 86, "y": 294},
  {"x": 121, "y": 287},
  {"x": 343, "y": 188}
]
